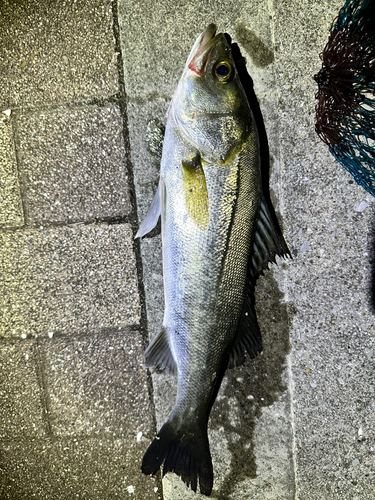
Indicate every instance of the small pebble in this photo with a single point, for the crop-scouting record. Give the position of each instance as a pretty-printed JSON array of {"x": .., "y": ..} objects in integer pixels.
[
  {"x": 304, "y": 247},
  {"x": 361, "y": 207}
]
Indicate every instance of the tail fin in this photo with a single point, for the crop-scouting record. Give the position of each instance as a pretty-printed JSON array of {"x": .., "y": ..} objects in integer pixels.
[{"x": 186, "y": 453}]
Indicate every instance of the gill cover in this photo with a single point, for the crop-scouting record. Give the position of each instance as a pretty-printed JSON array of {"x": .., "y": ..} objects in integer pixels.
[{"x": 209, "y": 105}]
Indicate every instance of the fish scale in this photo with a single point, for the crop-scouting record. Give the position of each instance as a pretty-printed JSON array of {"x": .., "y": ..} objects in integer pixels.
[{"x": 215, "y": 226}]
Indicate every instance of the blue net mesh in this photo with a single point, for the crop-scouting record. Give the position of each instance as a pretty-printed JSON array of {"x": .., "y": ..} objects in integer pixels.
[{"x": 346, "y": 94}]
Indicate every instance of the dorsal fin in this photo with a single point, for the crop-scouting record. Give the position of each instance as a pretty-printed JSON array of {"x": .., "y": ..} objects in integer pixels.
[
  {"x": 268, "y": 242},
  {"x": 248, "y": 337}
]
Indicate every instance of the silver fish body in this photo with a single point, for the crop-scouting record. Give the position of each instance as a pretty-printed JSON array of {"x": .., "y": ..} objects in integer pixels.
[{"x": 213, "y": 217}]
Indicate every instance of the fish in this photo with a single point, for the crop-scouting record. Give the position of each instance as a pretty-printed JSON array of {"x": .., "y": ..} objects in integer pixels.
[{"x": 218, "y": 235}]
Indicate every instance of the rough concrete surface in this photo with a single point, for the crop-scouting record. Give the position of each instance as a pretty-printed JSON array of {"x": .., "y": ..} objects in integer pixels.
[
  {"x": 11, "y": 213},
  {"x": 67, "y": 279},
  {"x": 72, "y": 164},
  {"x": 329, "y": 223},
  {"x": 79, "y": 297},
  {"x": 52, "y": 52},
  {"x": 21, "y": 407},
  {"x": 76, "y": 414},
  {"x": 88, "y": 393},
  {"x": 97, "y": 467}
]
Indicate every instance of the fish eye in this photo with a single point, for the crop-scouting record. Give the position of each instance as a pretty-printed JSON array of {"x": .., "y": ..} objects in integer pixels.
[{"x": 222, "y": 71}]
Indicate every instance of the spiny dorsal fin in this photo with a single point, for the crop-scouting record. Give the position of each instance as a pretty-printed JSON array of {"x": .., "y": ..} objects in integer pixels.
[
  {"x": 268, "y": 242},
  {"x": 159, "y": 355}
]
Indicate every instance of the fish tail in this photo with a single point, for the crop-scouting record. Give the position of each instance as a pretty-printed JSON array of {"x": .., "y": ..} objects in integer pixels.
[{"x": 185, "y": 452}]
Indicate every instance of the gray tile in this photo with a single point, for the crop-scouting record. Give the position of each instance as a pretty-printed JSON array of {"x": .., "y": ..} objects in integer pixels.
[
  {"x": 96, "y": 385},
  {"x": 146, "y": 166},
  {"x": 250, "y": 438},
  {"x": 329, "y": 281},
  {"x": 11, "y": 213},
  {"x": 52, "y": 52},
  {"x": 154, "y": 58},
  {"x": 68, "y": 279},
  {"x": 72, "y": 163},
  {"x": 88, "y": 469},
  {"x": 22, "y": 413}
]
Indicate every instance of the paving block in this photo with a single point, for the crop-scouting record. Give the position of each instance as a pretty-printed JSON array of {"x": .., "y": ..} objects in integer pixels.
[
  {"x": 11, "y": 213},
  {"x": 89, "y": 469},
  {"x": 22, "y": 408},
  {"x": 72, "y": 163},
  {"x": 79, "y": 278},
  {"x": 329, "y": 225},
  {"x": 250, "y": 426},
  {"x": 154, "y": 58},
  {"x": 96, "y": 385},
  {"x": 146, "y": 179},
  {"x": 53, "y": 52}
]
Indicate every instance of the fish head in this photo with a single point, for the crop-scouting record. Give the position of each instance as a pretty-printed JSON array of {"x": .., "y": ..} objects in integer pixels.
[{"x": 210, "y": 106}]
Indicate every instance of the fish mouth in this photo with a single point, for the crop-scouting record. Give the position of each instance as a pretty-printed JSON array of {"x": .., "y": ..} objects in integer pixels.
[{"x": 199, "y": 59}]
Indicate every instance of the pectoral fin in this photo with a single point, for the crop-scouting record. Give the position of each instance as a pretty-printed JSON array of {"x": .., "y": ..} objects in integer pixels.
[
  {"x": 153, "y": 214},
  {"x": 195, "y": 191}
]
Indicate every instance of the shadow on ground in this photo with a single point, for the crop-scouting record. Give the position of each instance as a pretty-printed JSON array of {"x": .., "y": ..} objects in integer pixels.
[
  {"x": 254, "y": 385},
  {"x": 258, "y": 383}
]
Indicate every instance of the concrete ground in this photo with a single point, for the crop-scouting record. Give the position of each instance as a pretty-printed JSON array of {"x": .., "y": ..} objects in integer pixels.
[{"x": 79, "y": 297}]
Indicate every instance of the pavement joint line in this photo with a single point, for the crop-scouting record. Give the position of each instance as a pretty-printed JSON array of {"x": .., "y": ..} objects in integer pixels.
[
  {"x": 21, "y": 184},
  {"x": 281, "y": 206},
  {"x": 134, "y": 218},
  {"x": 43, "y": 390},
  {"x": 110, "y": 221},
  {"x": 292, "y": 423},
  {"x": 92, "y": 101},
  {"x": 153, "y": 96},
  {"x": 129, "y": 329}
]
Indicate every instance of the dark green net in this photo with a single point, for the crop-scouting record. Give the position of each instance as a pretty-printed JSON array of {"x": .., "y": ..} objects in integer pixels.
[{"x": 345, "y": 113}]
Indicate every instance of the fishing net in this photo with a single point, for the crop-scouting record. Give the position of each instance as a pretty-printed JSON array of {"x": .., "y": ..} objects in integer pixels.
[{"x": 345, "y": 113}]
